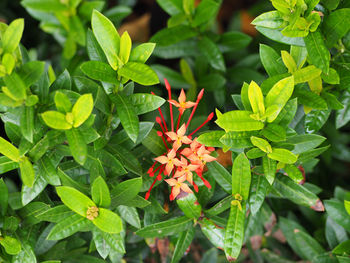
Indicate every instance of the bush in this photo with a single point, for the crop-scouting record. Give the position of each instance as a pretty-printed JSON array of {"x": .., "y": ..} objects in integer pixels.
[{"x": 98, "y": 167}]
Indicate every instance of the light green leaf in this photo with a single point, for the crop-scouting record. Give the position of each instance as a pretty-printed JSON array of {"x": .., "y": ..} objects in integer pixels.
[
  {"x": 283, "y": 155},
  {"x": 237, "y": 140},
  {"x": 82, "y": 109},
  {"x": 256, "y": 98},
  {"x": 190, "y": 206},
  {"x": 45, "y": 6},
  {"x": 261, "y": 144},
  {"x": 12, "y": 246},
  {"x": 100, "y": 192},
  {"x": 142, "y": 52},
  {"x": 62, "y": 102},
  {"x": 56, "y": 120},
  {"x": 15, "y": 87},
  {"x": 288, "y": 61},
  {"x": 108, "y": 221},
  {"x": 306, "y": 74},
  {"x": 125, "y": 47},
  {"x": 27, "y": 171},
  {"x": 270, "y": 19},
  {"x": 238, "y": 121},
  {"x": 75, "y": 200},
  {"x": 12, "y": 35},
  {"x": 140, "y": 73},
  {"x": 9, "y": 150},
  {"x": 107, "y": 36},
  {"x": 211, "y": 139}
]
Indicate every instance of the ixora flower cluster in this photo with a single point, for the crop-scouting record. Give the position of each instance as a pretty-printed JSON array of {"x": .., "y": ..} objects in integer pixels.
[{"x": 184, "y": 156}]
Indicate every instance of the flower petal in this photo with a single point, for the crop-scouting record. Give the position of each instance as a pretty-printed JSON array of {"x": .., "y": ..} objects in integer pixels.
[
  {"x": 171, "y": 181},
  {"x": 161, "y": 159},
  {"x": 181, "y": 132},
  {"x": 175, "y": 103},
  {"x": 189, "y": 104},
  {"x": 182, "y": 97},
  {"x": 172, "y": 135},
  {"x": 186, "y": 140},
  {"x": 175, "y": 191},
  {"x": 185, "y": 188},
  {"x": 168, "y": 168}
]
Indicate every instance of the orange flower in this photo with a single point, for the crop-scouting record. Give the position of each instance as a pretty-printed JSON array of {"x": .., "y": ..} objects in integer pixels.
[
  {"x": 182, "y": 104},
  {"x": 179, "y": 137},
  {"x": 201, "y": 157},
  {"x": 169, "y": 160},
  {"x": 177, "y": 186},
  {"x": 186, "y": 170}
]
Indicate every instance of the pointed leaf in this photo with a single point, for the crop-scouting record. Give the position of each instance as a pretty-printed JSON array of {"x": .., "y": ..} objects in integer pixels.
[
  {"x": 82, "y": 109},
  {"x": 108, "y": 221},
  {"x": 140, "y": 73},
  {"x": 100, "y": 192}
]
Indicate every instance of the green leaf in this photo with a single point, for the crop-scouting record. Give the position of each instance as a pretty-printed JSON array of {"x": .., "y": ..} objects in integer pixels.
[
  {"x": 274, "y": 132},
  {"x": 144, "y": 102},
  {"x": 125, "y": 47},
  {"x": 234, "y": 233},
  {"x": 140, "y": 73},
  {"x": 77, "y": 145},
  {"x": 205, "y": 11},
  {"x": 211, "y": 138},
  {"x": 276, "y": 35},
  {"x": 100, "y": 192},
  {"x": 221, "y": 176},
  {"x": 279, "y": 95},
  {"x": 343, "y": 115},
  {"x": 102, "y": 247},
  {"x": 56, "y": 214},
  {"x": 142, "y": 52},
  {"x": 16, "y": 88},
  {"x": 212, "y": 53},
  {"x": 183, "y": 242},
  {"x": 336, "y": 25},
  {"x": 154, "y": 143},
  {"x": 269, "y": 168},
  {"x": 336, "y": 210},
  {"x": 62, "y": 82},
  {"x": 288, "y": 61},
  {"x": 107, "y": 36},
  {"x": 307, "y": 156},
  {"x": 347, "y": 206},
  {"x": 4, "y": 195},
  {"x": 256, "y": 98},
  {"x": 271, "y": 61},
  {"x": 115, "y": 241},
  {"x": 260, "y": 187},
  {"x": 48, "y": 171},
  {"x": 220, "y": 207},
  {"x": 310, "y": 99},
  {"x": 306, "y": 74},
  {"x": 270, "y": 19},
  {"x": 130, "y": 215},
  {"x": 82, "y": 109},
  {"x": 297, "y": 193},
  {"x": 213, "y": 232},
  {"x": 27, "y": 123},
  {"x": 12, "y": 36},
  {"x": 173, "y": 35},
  {"x": 294, "y": 173},
  {"x": 46, "y": 6},
  {"x": 12, "y": 246},
  {"x": 190, "y": 206},
  {"x": 93, "y": 49},
  {"x": 68, "y": 226},
  {"x": 317, "y": 51},
  {"x": 261, "y": 144},
  {"x": 238, "y": 121},
  {"x": 283, "y": 155},
  {"x": 335, "y": 234},
  {"x": 241, "y": 176},
  {"x": 166, "y": 228},
  {"x": 98, "y": 70},
  {"x": 125, "y": 191},
  {"x": 7, "y": 165},
  {"x": 27, "y": 171},
  {"x": 305, "y": 142},
  {"x": 127, "y": 115},
  {"x": 9, "y": 150},
  {"x": 108, "y": 221},
  {"x": 307, "y": 244},
  {"x": 75, "y": 200},
  {"x": 176, "y": 79},
  {"x": 56, "y": 120},
  {"x": 62, "y": 102},
  {"x": 342, "y": 248},
  {"x": 237, "y": 140}
]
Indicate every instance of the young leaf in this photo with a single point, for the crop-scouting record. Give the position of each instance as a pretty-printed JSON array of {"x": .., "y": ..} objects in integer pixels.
[
  {"x": 256, "y": 98},
  {"x": 288, "y": 61},
  {"x": 56, "y": 120},
  {"x": 12, "y": 36},
  {"x": 166, "y": 228},
  {"x": 142, "y": 52},
  {"x": 27, "y": 123},
  {"x": 108, "y": 221},
  {"x": 11, "y": 245},
  {"x": 125, "y": 47},
  {"x": 237, "y": 140},
  {"x": 306, "y": 74},
  {"x": 238, "y": 121},
  {"x": 15, "y": 87},
  {"x": 261, "y": 144},
  {"x": 77, "y": 145},
  {"x": 82, "y": 109},
  {"x": 282, "y": 155},
  {"x": 271, "y": 61},
  {"x": 62, "y": 102},
  {"x": 9, "y": 150},
  {"x": 75, "y": 200},
  {"x": 140, "y": 73},
  {"x": 127, "y": 115},
  {"x": 270, "y": 19},
  {"x": 100, "y": 192},
  {"x": 211, "y": 139},
  {"x": 107, "y": 36}
]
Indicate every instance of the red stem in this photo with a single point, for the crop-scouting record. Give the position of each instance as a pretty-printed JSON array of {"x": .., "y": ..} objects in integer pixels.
[
  {"x": 161, "y": 115},
  {"x": 159, "y": 121},
  {"x": 199, "y": 97},
  {"x": 160, "y": 134},
  {"x": 178, "y": 121},
  {"x": 168, "y": 87},
  {"x": 211, "y": 115}
]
